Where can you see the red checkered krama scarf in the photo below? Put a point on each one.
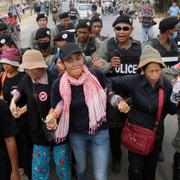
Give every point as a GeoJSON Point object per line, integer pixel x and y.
{"type": "Point", "coordinates": [95, 98]}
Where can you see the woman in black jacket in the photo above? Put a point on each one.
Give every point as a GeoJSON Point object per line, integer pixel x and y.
{"type": "Point", "coordinates": [144, 89]}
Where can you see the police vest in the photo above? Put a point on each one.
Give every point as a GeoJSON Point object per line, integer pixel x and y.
{"type": "Point", "coordinates": [90, 47]}
{"type": "Point", "coordinates": [171, 57]}
{"type": "Point", "coordinates": [129, 57]}
{"type": "Point", "coordinates": [72, 15]}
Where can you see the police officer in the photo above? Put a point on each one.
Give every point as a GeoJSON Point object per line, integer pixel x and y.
{"type": "Point", "coordinates": [165, 43]}
{"type": "Point", "coordinates": [43, 41]}
{"type": "Point", "coordinates": [59, 41]}
{"type": "Point", "coordinates": [65, 23]}
{"type": "Point", "coordinates": [42, 22]}
{"type": "Point", "coordinates": [87, 43]}
{"type": "Point", "coordinates": [96, 27]}
{"type": "Point", "coordinates": [4, 31]}
{"type": "Point", "coordinates": [122, 55]}
{"type": "Point", "coordinates": [73, 14]}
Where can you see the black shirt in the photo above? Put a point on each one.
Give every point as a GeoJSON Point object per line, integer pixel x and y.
{"type": "Point", "coordinates": [37, 111]}
{"type": "Point", "coordinates": [7, 128]}
{"type": "Point", "coordinates": [73, 14]}
{"type": "Point", "coordinates": [11, 84]}
{"type": "Point", "coordinates": [145, 100]}
{"type": "Point", "coordinates": [79, 119]}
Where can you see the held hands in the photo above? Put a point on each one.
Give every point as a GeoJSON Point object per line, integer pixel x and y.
{"type": "Point", "coordinates": [12, 106]}
{"type": "Point", "coordinates": [123, 106]}
{"type": "Point", "coordinates": [19, 111]}
{"type": "Point", "coordinates": [115, 62]}
{"type": "Point", "coordinates": [51, 122]}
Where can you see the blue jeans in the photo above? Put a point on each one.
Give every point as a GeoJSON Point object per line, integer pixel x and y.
{"type": "Point", "coordinates": [99, 143]}
{"type": "Point", "coordinates": [147, 34]}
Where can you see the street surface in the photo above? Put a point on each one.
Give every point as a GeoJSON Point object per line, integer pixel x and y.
{"type": "Point", "coordinates": [164, 170]}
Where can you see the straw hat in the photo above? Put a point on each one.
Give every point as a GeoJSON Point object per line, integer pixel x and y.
{"type": "Point", "coordinates": [150, 55]}
{"type": "Point", "coordinates": [33, 59]}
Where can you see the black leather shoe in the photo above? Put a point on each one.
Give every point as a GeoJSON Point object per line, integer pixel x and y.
{"type": "Point", "coordinates": [161, 156]}
{"type": "Point", "coordinates": [116, 167]}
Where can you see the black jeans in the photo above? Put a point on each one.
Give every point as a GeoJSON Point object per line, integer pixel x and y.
{"type": "Point", "coordinates": [144, 167]}
{"type": "Point", "coordinates": [176, 166]}
{"type": "Point", "coordinates": [115, 145]}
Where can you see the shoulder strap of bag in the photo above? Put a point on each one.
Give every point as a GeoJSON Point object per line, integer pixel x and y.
{"type": "Point", "coordinates": [160, 105]}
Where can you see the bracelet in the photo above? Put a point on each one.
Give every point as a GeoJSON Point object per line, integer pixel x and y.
{"type": "Point", "coordinates": [60, 105]}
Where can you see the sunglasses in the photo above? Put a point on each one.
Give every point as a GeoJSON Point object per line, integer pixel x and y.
{"type": "Point", "coordinates": [124, 28]}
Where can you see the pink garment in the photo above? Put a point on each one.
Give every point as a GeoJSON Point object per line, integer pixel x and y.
{"type": "Point", "coordinates": [95, 98]}
{"type": "Point", "coordinates": [11, 54]}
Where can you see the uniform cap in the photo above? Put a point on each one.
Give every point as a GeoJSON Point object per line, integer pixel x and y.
{"type": "Point", "coordinates": [42, 32]}
{"type": "Point", "coordinates": [4, 39]}
{"type": "Point", "coordinates": [65, 36]}
{"type": "Point", "coordinates": [168, 23]}
{"type": "Point", "coordinates": [123, 19]}
{"type": "Point", "coordinates": [83, 23]}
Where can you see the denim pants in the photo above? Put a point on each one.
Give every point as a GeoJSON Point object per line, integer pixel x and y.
{"type": "Point", "coordinates": [41, 161]}
{"type": "Point", "coordinates": [99, 147]}
{"type": "Point", "coordinates": [147, 34]}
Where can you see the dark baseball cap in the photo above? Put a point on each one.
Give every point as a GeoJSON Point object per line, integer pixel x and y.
{"type": "Point", "coordinates": [68, 49]}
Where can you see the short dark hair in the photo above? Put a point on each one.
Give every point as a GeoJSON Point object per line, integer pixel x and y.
{"type": "Point", "coordinates": [41, 16]}
{"type": "Point", "coordinates": [94, 7]}
{"type": "Point", "coordinates": [96, 19]}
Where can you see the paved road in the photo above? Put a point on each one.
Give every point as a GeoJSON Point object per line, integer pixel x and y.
{"type": "Point", "coordinates": [164, 170]}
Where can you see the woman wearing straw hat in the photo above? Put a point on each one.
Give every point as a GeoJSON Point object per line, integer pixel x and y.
{"type": "Point", "coordinates": [35, 86]}
{"type": "Point", "coordinates": [144, 89]}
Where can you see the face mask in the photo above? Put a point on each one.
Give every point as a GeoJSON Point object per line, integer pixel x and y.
{"type": "Point", "coordinates": [43, 45]}
{"type": "Point", "coordinates": [173, 36]}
